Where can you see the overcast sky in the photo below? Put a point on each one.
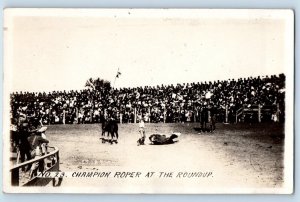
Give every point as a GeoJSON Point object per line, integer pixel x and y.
{"type": "Point", "coordinates": [60, 52]}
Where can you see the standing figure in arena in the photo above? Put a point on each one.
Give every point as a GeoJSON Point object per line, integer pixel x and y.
{"type": "Point", "coordinates": [204, 118]}
{"type": "Point", "coordinates": [212, 119]}
{"type": "Point", "coordinates": [114, 130]}
{"type": "Point", "coordinates": [141, 140]}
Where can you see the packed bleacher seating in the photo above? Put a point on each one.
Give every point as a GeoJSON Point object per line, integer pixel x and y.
{"type": "Point", "coordinates": [163, 103]}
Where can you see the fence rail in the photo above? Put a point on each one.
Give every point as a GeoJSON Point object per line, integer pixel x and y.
{"type": "Point", "coordinates": [259, 109]}
{"type": "Point", "coordinates": [36, 181]}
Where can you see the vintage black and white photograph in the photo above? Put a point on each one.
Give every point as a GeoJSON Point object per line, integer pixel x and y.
{"type": "Point", "coordinates": [185, 101]}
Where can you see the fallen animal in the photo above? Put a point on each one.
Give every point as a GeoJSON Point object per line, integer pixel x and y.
{"type": "Point", "coordinates": [158, 139]}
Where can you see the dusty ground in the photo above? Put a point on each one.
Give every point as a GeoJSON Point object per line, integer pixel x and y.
{"type": "Point", "coordinates": [239, 156]}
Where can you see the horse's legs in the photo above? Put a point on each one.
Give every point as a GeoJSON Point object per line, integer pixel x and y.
{"type": "Point", "coordinates": [117, 135]}
{"type": "Point", "coordinates": [112, 137]}
{"type": "Point", "coordinates": [103, 135]}
{"type": "Point", "coordinates": [103, 130]}
{"type": "Point", "coordinates": [202, 124]}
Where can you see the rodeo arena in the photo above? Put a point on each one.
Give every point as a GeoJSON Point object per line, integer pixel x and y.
{"type": "Point", "coordinates": [238, 123]}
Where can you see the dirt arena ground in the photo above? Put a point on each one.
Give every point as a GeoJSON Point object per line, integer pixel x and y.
{"type": "Point", "coordinates": [239, 156]}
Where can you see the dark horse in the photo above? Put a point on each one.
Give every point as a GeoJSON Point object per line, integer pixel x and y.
{"type": "Point", "coordinates": [111, 127]}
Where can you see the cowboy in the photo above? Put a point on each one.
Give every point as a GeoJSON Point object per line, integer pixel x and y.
{"type": "Point", "coordinates": [141, 140]}
{"type": "Point", "coordinates": [35, 141]}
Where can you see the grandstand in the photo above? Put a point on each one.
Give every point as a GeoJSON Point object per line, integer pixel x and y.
{"type": "Point", "coordinates": [252, 99]}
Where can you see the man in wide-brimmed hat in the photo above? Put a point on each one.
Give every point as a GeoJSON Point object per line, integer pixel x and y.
{"type": "Point", "coordinates": [36, 140]}
{"type": "Point", "coordinates": [141, 140]}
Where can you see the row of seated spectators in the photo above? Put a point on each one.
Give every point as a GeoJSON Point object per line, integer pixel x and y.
{"type": "Point", "coordinates": [168, 103]}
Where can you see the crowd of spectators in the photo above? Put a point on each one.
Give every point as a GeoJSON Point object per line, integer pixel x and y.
{"type": "Point", "coordinates": [162, 103]}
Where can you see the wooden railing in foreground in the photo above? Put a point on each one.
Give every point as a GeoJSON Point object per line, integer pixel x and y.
{"type": "Point", "coordinates": [36, 181]}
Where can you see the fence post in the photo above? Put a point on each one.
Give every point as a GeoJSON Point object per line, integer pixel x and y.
{"type": "Point", "coordinates": [49, 116]}
{"type": "Point", "coordinates": [91, 114]}
{"type": "Point", "coordinates": [226, 114]}
{"type": "Point", "coordinates": [76, 115]}
{"type": "Point", "coordinates": [236, 115]}
{"type": "Point", "coordinates": [259, 113]}
{"type": "Point", "coordinates": [278, 112]}
{"type": "Point", "coordinates": [134, 115]}
{"type": "Point", "coordinates": [199, 114]}
{"type": "Point", "coordinates": [15, 177]}
{"type": "Point", "coordinates": [64, 117]}
{"type": "Point", "coordinates": [149, 113]}
{"type": "Point", "coordinates": [121, 118]}
{"type": "Point", "coordinates": [179, 115]}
